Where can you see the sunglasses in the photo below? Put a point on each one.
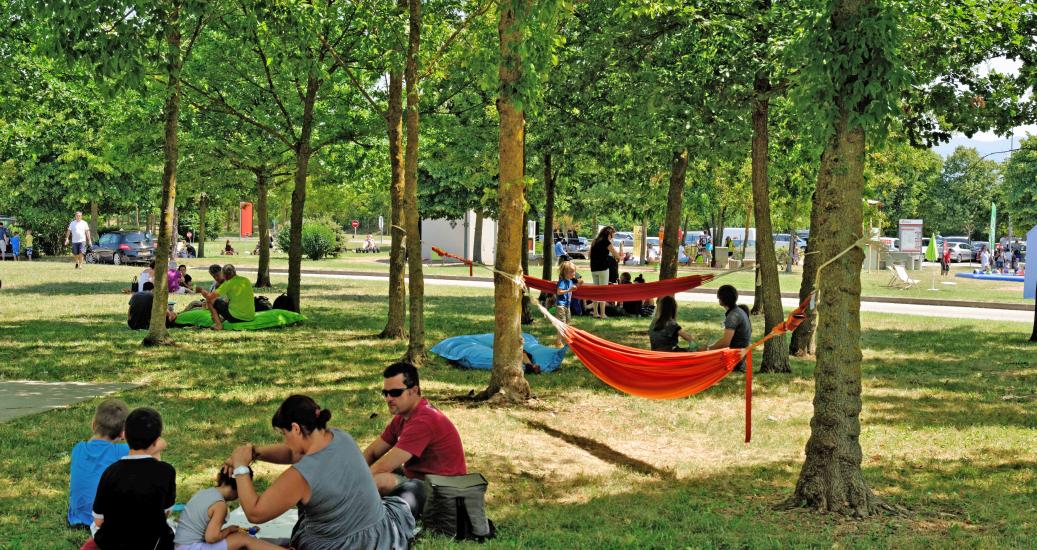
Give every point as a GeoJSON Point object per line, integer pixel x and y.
{"type": "Point", "coordinates": [395, 392]}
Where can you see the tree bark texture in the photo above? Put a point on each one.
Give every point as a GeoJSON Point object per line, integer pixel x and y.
{"type": "Point", "coordinates": [831, 478]}
{"type": "Point", "coordinates": [203, 207]}
{"type": "Point", "coordinates": [397, 255]}
{"type": "Point", "coordinates": [775, 352]}
{"type": "Point", "coordinates": [802, 342]}
{"type": "Point", "coordinates": [263, 271]}
{"type": "Point", "coordinates": [477, 237]}
{"type": "Point", "coordinates": [549, 219]}
{"type": "Point", "coordinates": [671, 225]}
{"type": "Point", "coordinates": [416, 337]}
{"type": "Point", "coordinates": [157, 333]}
{"type": "Point", "coordinates": [506, 378]}
{"type": "Point", "coordinates": [302, 170]}
{"type": "Point", "coordinates": [95, 221]}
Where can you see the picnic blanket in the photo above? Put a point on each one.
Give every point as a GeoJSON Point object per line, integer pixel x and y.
{"type": "Point", "coordinates": [264, 319]}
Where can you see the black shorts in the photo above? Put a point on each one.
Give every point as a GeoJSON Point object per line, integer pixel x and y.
{"type": "Point", "coordinates": [78, 248]}
{"type": "Point", "coordinates": [222, 308]}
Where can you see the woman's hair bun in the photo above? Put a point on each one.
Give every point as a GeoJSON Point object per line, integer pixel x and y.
{"type": "Point", "coordinates": [324, 417]}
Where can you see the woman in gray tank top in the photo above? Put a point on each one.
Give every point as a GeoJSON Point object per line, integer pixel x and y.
{"type": "Point", "coordinates": [329, 481]}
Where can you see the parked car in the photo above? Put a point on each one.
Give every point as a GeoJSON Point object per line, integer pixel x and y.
{"type": "Point", "coordinates": [123, 247]}
{"type": "Point", "coordinates": [960, 252]}
{"type": "Point", "coordinates": [782, 240]}
{"type": "Point", "coordinates": [625, 238]}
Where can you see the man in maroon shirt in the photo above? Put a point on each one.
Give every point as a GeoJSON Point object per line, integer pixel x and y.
{"type": "Point", "coordinates": [419, 439]}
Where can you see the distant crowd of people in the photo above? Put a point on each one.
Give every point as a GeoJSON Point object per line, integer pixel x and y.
{"type": "Point", "coordinates": [229, 298]}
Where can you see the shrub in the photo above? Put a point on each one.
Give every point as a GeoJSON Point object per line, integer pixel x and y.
{"type": "Point", "coordinates": [320, 238]}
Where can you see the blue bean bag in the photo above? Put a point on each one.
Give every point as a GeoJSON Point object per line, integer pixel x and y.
{"type": "Point", "coordinates": [475, 351]}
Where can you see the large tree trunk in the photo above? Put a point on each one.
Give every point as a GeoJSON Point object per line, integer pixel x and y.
{"type": "Point", "coordinates": [203, 206]}
{"type": "Point", "coordinates": [477, 237]}
{"type": "Point", "coordinates": [506, 378]}
{"type": "Point", "coordinates": [674, 200]}
{"type": "Point", "coordinates": [549, 219]}
{"type": "Point", "coordinates": [94, 221]}
{"type": "Point", "coordinates": [263, 272]}
{"type": "Point", "coordinates": [397, 255]}
{"type": "Point", "coordinates": [157, 333]}
{"type": "Point", "coordinates": [775, 354]}
{"type": "Point", "coordinates": [302, 170]}
{"type": "Point", "coordinates": [831, 478]}
{"type": "Point", "coordinates": [416, 338]}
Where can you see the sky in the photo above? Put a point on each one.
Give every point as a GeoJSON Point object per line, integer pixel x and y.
{"type": "Point", "coordinates": [987, 142]}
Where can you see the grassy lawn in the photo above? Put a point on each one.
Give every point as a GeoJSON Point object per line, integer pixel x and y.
{"type": "Point", "coordinates": [948, 430]}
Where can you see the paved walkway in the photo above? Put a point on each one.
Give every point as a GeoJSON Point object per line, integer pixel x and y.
{"type": "Point", "coordinates": [985, 311]}
{"type": "Point", "coordinates": [25, 397]}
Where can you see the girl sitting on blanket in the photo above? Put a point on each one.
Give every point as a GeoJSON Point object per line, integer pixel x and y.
{"type": "Point", "coordinates": [201, 524]}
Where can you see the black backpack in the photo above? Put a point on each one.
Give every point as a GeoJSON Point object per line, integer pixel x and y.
{"type": "Point", "coordinates": [456, 507]}
{"type": "Point", "coordinates": [284, 303]}
{"type": "Point", "coordinates": [263, 303]}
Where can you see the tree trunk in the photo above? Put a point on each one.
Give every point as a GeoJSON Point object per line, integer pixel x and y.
{"type": "Point", "coordinates": [802, 342]}
{"type": "Point", "coordinates": [203, 206]}
{"type": "Point", "coordinates": [831, 479]}
{"type": "Point", "coordinates": [527, 310]}
{"type": "Point", "coordinates": [136, 216]}
{"type": "Point", "coordinates": [671, 231]}
{"type": "Point", "coordinates": [643, 245]}
{"type": "Point", "coordinates": [157, 333]}
{"type": "Point", "coordinates": [549, 219]}
{"type": "Point", "coordinates": [477, 237]}
{"type": "Point", "coordinates": [263, 271]}
{"type": "Point", "coordinates": [416, 339]}
{"type": "Point", "coordinates": [506, 378]}
{"type": "Point", "coordinates": [94, 221]}
{"type": "Point", "coordinates": [775, 354]}
{"type": "Point", "coordinates": [302, 169]}
{"type": "Point", "coordinates": [397, 255]}
{"type": "Point", "coordinates": [748, 225]}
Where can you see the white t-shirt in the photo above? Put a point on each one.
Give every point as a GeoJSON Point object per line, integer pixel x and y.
{"type": "Point", "coordinates": [79, 229]}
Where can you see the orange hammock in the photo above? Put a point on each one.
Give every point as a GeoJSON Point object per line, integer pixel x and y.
{"type": "Point", "coordinates": [623, 293]}
{"type": "Point", "coordinates": [667, 375]}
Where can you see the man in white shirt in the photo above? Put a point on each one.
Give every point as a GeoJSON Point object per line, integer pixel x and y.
{"type": "Point", "coordinates": [79, 234]}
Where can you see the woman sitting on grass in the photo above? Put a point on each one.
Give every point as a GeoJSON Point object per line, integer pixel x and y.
{"type": "Point", "coordinates": [664, 330]}
{"type": "Point", "coordinates": [329, 481]}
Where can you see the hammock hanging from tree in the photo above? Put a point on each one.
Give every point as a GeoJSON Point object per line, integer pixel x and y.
{"type": "Point", "coordinates": [624, 293]}
{"type": "Point", "coordinates": [664, 374]}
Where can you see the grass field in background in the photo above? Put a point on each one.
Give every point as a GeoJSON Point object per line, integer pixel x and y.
{"type": "Point", "coordinates": [948, 430]}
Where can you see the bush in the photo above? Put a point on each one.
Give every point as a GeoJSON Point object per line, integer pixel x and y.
{"type": "Point", "coordinates": [320, 238]}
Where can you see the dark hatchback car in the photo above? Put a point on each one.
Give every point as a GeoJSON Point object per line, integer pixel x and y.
{"type": "Point", "coordinates": [123, 247]}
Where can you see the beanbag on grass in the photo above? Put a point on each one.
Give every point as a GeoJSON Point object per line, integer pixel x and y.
{"type": "Point", "coordinates": [264, 319]}
{"type": "Point", "coordinates": [475, 351]}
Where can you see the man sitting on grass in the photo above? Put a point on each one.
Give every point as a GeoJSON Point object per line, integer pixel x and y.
{"type": "Point", "coordinates": [139, 316]}
{"type": "Point", "coordinates": [233, 301]}
{"type": "Point", "coordinates": [419, 439]}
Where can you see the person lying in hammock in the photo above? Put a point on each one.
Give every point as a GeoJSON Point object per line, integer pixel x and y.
{"type": "Point", "coordinates": [738, 330]}
{"type": "Point", "coordinates": [664, 331]}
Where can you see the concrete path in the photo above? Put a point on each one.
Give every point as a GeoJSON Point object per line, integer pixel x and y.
{"type": "Point", "coordinates": [25, 397]}
{"type": "Point", "coordinates": [920, 310]}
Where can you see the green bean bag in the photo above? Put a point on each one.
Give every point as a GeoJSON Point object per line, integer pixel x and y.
{"type": "Point", "coordinates": [264, 319]}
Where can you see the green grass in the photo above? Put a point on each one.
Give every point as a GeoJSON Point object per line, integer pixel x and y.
{"type": "Point", "coordinates": [948, 430]}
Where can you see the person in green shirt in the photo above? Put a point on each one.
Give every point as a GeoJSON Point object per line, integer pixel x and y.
{"type": "Point", "coordinates": [233, 301]}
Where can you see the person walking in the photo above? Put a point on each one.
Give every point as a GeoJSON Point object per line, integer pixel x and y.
{"type": "Point", "coordinates": [78, 233]}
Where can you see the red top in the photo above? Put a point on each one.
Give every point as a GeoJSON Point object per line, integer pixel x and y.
{"type": "Point", "coordinates": [431, 438]}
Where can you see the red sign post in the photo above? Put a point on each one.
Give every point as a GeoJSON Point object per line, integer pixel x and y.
{"type": "Point", "coordinates": [355, 225]}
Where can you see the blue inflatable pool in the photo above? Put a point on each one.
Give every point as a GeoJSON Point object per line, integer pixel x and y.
{"type": "Point", "coordinates": [992, 277]}
{"type": "Point", "coordinates": [475, 351]}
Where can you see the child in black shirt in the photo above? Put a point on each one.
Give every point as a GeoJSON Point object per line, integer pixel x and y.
{"type": "Point", "coordinates": [136, 492]}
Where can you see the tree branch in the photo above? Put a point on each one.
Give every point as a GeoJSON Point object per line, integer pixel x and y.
{"type": "Point", "coordinates": [229, 110]}
{"type": "Point", "coordinates": [453, 36]}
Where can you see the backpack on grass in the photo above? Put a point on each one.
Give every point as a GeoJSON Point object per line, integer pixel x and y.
{"type": "Point", "coordinates": [262, 303]}
{"type": "Point", "coordinates": [456, 507]}
{"type": "Point", "coordinates": [283, 302]}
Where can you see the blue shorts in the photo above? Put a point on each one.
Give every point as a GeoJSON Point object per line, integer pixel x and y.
{"type": "Point", "coordinates": [78, 248]}
{"type": "Point", "coordinates": [28, 251]}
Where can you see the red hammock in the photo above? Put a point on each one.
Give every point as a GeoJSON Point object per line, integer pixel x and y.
{"type": "Point", "coordinates": [667, 375]}
{"type": "Point", "coordinates": [623, 293]}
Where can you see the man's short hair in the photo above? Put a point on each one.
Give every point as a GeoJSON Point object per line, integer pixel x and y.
{"type": "Point", "coordinates": [143, 428]}
{"type": "Point", "coordinates": [78, 213]}
{"type": "Point", "coordinates": [215, 269]}
{"type": "Point", "coordinates": [182, 266]}
{"type": "Point", "coordinates": [110, 418]}
{"type": "Point", "coordinates": [229, 272]}
{"type": "Point", "coordinates": [148, 286]}
{"type": "Point", "coordinates": [409, 372]}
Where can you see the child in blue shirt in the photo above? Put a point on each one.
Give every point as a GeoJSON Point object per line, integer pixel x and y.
{"type": "Point", "coordinates": [91, 458]}
{"type": "Point", "coordinates": [16, 245]}
{"type": "Point", "coordinates": [563, 296]}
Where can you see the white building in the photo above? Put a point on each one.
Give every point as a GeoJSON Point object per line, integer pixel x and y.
{"type": "Point", "coordinates": [458, 237]}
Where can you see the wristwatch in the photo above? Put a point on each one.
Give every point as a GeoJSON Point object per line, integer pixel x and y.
{"type": "Point", "coordinates": [240, 470]}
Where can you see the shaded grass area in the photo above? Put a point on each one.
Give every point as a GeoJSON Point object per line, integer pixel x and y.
{"type": "Point", "coordinates": [947, 425]}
